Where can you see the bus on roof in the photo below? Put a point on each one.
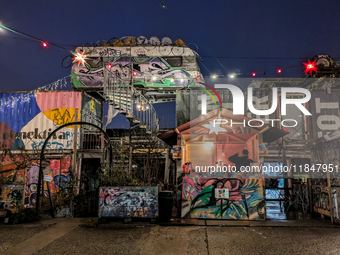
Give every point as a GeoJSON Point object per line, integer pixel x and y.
{"type": "Point", "coordinates": [144, 66]}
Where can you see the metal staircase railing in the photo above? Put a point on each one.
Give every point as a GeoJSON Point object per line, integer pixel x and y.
{"type": "Point", "coordinates": [120, 93]}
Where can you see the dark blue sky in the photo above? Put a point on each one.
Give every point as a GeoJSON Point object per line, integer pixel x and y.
{"type": "Point", "coordinates": [296, 30]}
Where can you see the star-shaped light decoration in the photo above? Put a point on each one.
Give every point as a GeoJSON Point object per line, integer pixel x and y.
{"type": "Point", "coordinates": [79, 57]}
{"type": "Point", "coordinates": [310, 67]}
{"type": "Point", "coordinates": [214, 129]}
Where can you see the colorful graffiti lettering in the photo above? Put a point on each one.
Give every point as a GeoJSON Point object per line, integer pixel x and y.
{"type": "Point", "coordinates": [245, 200]}
{"type": "Point", "coordinates": [123, 202]}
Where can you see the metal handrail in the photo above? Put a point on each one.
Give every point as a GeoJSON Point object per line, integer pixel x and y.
{"type": "Point", "coordinates": [119, 93]}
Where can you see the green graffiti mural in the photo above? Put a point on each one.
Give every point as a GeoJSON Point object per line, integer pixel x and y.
{"type": "Point", "coordinates": [144, 71]}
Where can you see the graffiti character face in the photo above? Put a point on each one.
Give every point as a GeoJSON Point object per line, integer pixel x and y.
{"type": "Point", "coordinates": [187, 189]}
{"type": "Point", "coordinates": [33, 188]}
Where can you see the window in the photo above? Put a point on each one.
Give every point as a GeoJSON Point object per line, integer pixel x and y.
{"type": "Point", "coordinates": [174, 61]}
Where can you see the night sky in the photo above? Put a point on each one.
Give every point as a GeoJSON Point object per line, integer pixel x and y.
{"type": "Point", "coordinates": [232, 36]}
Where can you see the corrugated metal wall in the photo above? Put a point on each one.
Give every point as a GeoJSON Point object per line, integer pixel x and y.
{"type": "Point", "coordinates": [26, 118]}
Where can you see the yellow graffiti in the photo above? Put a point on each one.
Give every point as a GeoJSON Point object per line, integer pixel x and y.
{"type": "Point", "coordinates": [61, 116]}
{"type": "Point", "coordinates": [92, 106]}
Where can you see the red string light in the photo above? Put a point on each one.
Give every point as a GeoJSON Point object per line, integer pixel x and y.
{"type": "Point", "coordinates": [310, 67]}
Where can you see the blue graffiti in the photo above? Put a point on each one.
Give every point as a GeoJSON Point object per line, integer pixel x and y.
{"type": "Point", "coordinates": [59, 146]}
{"type": "Point", "coordinates": [62, 181]}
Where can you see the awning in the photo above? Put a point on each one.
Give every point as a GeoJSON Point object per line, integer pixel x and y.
{"type": "Point", "coordinates": [272, 134]}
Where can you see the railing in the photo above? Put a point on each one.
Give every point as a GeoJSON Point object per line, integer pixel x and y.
{"type": "Point", "coordinates": [129, 101]}
{"type": "Point", "coordinates": [92, 140]}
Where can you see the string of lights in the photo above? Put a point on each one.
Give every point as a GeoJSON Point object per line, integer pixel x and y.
{"type": "Point", "coordinates": [45, 44]}
{"type": "Point", "coordinates": [59, 84]}
{"type": "Point", "coordinates": [238, 57]}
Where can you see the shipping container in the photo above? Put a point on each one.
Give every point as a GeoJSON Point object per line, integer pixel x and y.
{"type": "Point", "coordinates": [27, 118]}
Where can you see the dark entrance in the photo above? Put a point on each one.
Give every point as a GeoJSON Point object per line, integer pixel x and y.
{"type": "Point", "coordinates": [87, 200]}
{"type": "Point", "coordinates": [287, 197]}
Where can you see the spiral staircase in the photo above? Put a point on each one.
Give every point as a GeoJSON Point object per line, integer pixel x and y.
{"type": "Point", "coordinates": [123, 96]}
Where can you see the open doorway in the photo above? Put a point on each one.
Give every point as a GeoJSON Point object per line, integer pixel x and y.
{"type": "Point", "coordinates": [287, 197]}
{"type": "Point", "coordinates": [274, 192]}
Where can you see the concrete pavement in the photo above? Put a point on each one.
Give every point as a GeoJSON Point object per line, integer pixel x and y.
{"type": "Point", "coordinates": [69, 236]}
{"type": "Point", "coordinates": [54, 229]}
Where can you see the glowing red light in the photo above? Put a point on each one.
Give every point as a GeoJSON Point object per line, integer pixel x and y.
{"type": "Point", "coordinates": [279, 70]}
{"type": "Point", "coordinates": [109, 66]}
{"type": "Point", "coordinates": [253, 74]}
{"type": "Point", "coordinates": [44, 44]}
{"type": "Point", "coordinates": [134, 73]}
{"type": "Point", "coordinates": [310, 67]}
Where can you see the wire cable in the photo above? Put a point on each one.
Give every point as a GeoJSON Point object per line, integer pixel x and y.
{"type": "Point", "coordinates": [31, 37]}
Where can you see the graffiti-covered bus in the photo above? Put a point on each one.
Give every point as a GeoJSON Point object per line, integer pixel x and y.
{"type": "Point", "coordinates": [145, 66]}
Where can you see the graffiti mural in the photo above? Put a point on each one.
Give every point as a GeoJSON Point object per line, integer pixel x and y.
{"type": "Point", "coordinates": [149, 72]}
{"type": "Point", "coordinates": [31, 186]}
{"type": "Point", "coordinates": [91, 112]}
{"type": "Point", "coordinates": [28, 118]}
{"type": "Point", "coordinates": [245, 202]}
{"type": "Point", "coordinates": [141, 202]}
{"type": "Point", "coordinates": [321, 200]}
{"type": "Point", "coordinates": [28, 177]}
{"type": "Point", "coordinates": [12, 197]}
{"type": "Point", "coordinates": [59, 173]}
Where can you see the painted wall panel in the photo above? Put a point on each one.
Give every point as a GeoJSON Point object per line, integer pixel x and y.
{"type": "Point", "coordinates": [59, 172]}
{"type": "Point", "coordinates": [26, 119]}
{"type": "Point", "coordinates": [141, 202]}
{"type": "Point", "coordinates": [246, 201]}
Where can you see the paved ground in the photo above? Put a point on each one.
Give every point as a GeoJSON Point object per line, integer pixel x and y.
{"type": "Point", "coordinates": [12, 235]}
{"type": "Point", "coordinates": [71, 238]}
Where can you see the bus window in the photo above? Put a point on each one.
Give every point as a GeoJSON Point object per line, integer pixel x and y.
{"type": "Point", "coordinates": [173, 61]}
